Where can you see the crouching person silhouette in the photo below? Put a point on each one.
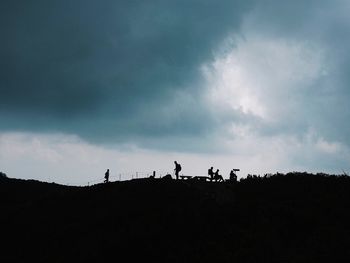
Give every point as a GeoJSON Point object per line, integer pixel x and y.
{"type": "Point", "coordinates": [233, 176]}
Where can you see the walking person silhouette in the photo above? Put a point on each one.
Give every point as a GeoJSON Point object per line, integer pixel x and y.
{"type": "Point", "coordinates": [177, 169]}
{"type": "Point", "coordinates": [107, 176]}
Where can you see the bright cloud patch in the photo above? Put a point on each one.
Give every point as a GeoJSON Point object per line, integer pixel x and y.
{"type": "Point", "coordinates": [264, 76]}
{"type": "Point", "coordinates": [268, 81]}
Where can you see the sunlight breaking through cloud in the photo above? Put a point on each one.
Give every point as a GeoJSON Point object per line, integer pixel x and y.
{"type": "Point", "coordinates": [263, 76]}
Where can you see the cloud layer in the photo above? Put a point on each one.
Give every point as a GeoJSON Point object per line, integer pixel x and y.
{"type": "Point", "coordinates": [109, 70]}
{"type": "Point", "coordinates": [192, 76]}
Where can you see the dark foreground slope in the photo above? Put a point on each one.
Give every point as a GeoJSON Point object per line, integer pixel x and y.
{"type": "Point", "coordinates": [283, 218]}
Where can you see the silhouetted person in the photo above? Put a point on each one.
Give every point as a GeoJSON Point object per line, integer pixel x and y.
{"type": "Point", "coordinates": [218, 177]}
{"type": "Point", "coordinates": [177, 169]}
{"type": "Point", "coordinates": [107, 176]}
{"type": "Point", "coordinates": [211, 173]}
{"type": "Point", "coordinates": [233, 176]}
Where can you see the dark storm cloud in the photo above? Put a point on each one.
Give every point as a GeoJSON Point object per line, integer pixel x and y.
{"type": "Point", "coordinates": [109, 69]}
{"type": "Point", "coordinates": [128, 71]}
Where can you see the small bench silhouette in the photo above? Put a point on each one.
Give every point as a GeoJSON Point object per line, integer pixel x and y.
{"type": "Point", "coordinates": [201, 178]}
{"type": "Point", "coordinates": [185, 177]}
{"type": "Point", "coordinates": [196, 178]}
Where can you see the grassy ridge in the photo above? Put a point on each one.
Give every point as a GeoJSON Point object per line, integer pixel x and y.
{"type": "Point", "coordinates": [297, 217]}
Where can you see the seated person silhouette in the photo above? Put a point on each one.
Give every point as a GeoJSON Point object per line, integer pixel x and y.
{"type": "Point", "coordinates": [218, 177]}
{"type": "Point", "coordinates": [211, 173]}
{"type": "Point", "coordinates": [106, 176]}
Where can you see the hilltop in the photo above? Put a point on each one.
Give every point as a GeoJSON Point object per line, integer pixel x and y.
{"type": "Point", "coordinates": [294, 217]}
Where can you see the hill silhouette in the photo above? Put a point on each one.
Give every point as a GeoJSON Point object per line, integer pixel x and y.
{"type": "Point", "coordinates": [294, 217]}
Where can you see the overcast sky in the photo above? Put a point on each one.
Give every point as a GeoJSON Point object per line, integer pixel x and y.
{"type": "Point", "coordinates": [85, 85]}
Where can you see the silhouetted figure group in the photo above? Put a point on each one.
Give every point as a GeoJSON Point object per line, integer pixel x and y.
{"type": "Point", "coordinates": [215, 176]}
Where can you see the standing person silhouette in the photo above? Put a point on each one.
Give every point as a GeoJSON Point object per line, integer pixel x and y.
{"type": "Point", "coordinates": [177, 169]}
{"type": "Point", "coordinates": [211, 173]}
{"type": "Point", "coordinates": [107, 176]}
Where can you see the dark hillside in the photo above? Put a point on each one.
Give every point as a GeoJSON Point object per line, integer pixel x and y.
{"type": "Point", "coordinates": [296, 217]}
